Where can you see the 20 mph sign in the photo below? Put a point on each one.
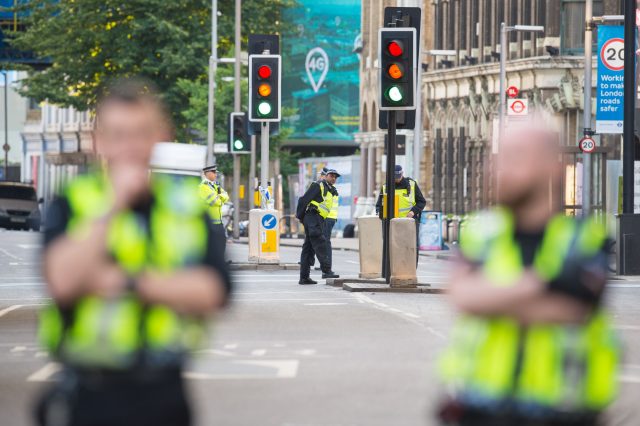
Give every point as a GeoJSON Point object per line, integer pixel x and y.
{"type": "Point", "coordinates": [518, 107]}
{"type": "Point", "coordinates": [587, 145]}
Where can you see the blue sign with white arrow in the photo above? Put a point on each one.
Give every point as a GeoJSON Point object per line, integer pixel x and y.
{"type": "Point", "coordinates": [269, 221]}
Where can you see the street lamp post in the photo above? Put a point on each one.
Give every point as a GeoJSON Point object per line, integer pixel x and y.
{"type": "Point", "coordinates": [504, 52]}
{"type": "Point", "coordinates": [213, 64]}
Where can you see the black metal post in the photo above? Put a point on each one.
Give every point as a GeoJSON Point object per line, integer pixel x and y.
{"type": "Point", "coordinates": [390, 184]}
{"type": "Point", "coordinates": [628, 155]}
{"type": "Point", "coordinates": [6, 146]}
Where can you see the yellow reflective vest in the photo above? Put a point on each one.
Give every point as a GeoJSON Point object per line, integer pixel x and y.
{"type": "Point", "coordinates": [405, 199]}
{"type": "Point", "coordinates": [335, 203]}
{"type": "Point", "coordinates": [553, 366]}
{"type": "Point", "coordinates": [214, 197]}
{"type": "Point", "coordinates": [324, 207]}
{"type": "Point", "coordinates": [100, 333]}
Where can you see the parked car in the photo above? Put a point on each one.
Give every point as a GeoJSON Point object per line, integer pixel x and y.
{"type": "Point", "coordinates": [19, 206]}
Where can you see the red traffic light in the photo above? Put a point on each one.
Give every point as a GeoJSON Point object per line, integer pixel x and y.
{"type": "Point", "coordinates": [264, 71]}
{"type": "Point", "coordinates": [395, 48]}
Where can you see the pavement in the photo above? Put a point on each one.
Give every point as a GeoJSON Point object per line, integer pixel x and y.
{"type": "Point", "coordinates": [290, 355]}
{"type": "Point", "coordinates": [353, 244]}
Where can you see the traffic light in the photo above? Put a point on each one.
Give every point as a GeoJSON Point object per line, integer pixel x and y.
{"type": "Point", "coordinates": [397, 59]}
{"type": "Point", "coordinates": [264, 87]}
{"type": "Point", "coordinates": [239, 139]}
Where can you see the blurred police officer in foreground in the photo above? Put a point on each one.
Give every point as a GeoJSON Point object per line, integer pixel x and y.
{"type": "Point", "coordinates": [312, 210]}
{"type": "Point", "coordinates": [409, 200]}
{"type": "Point", "coordinates": [534, 345]}
{"type": "Point", "coordinates": [133, 268]}
{"type": "Point", "coordinates": [214, 196]}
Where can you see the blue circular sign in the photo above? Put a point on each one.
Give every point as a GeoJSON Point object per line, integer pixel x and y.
{"type": "Point", "coordinates": [269, 221]}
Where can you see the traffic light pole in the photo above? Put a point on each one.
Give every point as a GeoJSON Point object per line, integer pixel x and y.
{"type": "Point", "coordinates": [390, 186]}
{"type": "Point", "coordinates": [236, 107]}
{"type": "Point", "coordinates": [252, 173]}
{"type": "Point", "coordinates": [264, 154]}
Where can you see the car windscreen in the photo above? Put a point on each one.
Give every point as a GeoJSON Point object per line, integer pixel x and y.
{"type": "Point", "coordinates": [17, 192]}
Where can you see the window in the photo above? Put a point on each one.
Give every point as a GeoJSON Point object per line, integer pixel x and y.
{"type": "Point", "coordinates": [475, 14]}
{"type": "Point", "coordinates": [572, 26]}
{"type": "Point", "coordinates": [463, 25]}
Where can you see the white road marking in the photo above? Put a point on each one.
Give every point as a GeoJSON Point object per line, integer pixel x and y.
{"type": "Point", "coordinates": [19, 349]}
{"type": "Point", "coordinates": [6, 253]}
{"type": "Point", "coordinates": [285, 369]}
{"type": "Point", "coordinates": [625, 378]}
{"type": "Point", "coordinates": [636, 286]}
{"type": "Point", "coordinates": [288, 300]}
{"type": "Point", "coordinates": [45, 373]}
{"type": "Point", "coordinates": [306, 352]}
{"type": "Point", "coordinates": [21, 284]}
{"type": "Point", "coordinates": [27, 298]}
{"type": "Point", "coordinates": [214, 352]}
{"type": "Point", "coordinates": [325, 304]}
{"type": "Point", "coordinates": [231, 346]}
{"type": "Point", "coordinates": [9, 309]}
{"type": "Point", "coordinates": [258, 352]}
{"type": "Point", "coordinates": [627, 327]}
{"type": "Point", "coordinates": [405, 315]}
{"type": "Point", "coordinates": [29, 246]}
{"type": "Point", "coordinates": [352, 261]}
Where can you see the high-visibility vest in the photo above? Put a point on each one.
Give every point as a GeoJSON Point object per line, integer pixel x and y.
{"type": "Point", "coordinates": [214, 197]}
{"type": "Point", "coordinates": [567, 367]}
{"type": "Point", "coordinates": [324, 207]}
{"type": "Point", "coordinates": [405, 199]}
{"type": "Point", "coordinates": [100, 333]}
{"type": "Point", "coordinates": [335, 203]}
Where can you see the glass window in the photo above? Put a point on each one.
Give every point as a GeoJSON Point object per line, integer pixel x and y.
{"type": "Point", "coordinates": [463, 24]}
{"type": "Point", "coordinates": [17, 192]}
{"type": "Point", "coordinates": [573, 18]}
{"type": "Point", "coordinates": [475, 4]}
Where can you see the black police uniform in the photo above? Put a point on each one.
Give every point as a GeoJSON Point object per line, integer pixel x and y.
{"type": "Point", "coordinates": [405, 183]}
{"type": "Point", "coordinates": [315, 243]}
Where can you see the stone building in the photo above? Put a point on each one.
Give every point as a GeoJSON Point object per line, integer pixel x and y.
{"type": "Point", "coordinates": [460, 93]}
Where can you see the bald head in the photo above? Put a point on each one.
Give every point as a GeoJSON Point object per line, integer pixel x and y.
{"type": "Point", "coordinates": [527, 163]}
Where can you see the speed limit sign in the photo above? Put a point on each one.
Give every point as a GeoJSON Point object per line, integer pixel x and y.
{"type": "Point", "coordinates": [587, 145]}
{"type": "Point", "coordinates": [612, 54]}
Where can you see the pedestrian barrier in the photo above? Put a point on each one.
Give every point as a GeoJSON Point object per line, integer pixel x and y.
{"type": "Point", "coordinates": [370, 242]}
{"type": "Point", "coordinates": [403, 253]}
{"type": "Point", "coordinates": [264, 236]}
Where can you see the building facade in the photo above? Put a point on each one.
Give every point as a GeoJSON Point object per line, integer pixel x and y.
{"type": "Point", "coordinates": [57, 144]}
{"type": "Point", "coordinates": [460, 93]}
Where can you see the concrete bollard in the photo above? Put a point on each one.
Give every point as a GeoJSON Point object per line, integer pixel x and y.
{"type": "Point", "coordinates": [402, 250]}
{"type": "Point", "coordinates": [264, 236]}
{"type": "Point", "coordinates": [370, 242]}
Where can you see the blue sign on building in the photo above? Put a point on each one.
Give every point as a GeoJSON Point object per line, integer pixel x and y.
{"type": "Point", "coordinates": [610, 82]}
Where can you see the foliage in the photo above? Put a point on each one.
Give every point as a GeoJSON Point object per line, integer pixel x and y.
{"type": "Point", "coordinates": [92, 41]}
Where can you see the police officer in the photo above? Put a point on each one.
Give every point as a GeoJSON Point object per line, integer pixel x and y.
{"type": "Point", "coordinates": [330, 178]}
{"type": "Point", "coordinates": [133, 269]}
{"type": "Point", "coordinates": [214, 196]}
{"type": "Point", "coordinates": [410, 200]}
{"type": "Point", "coordinates": [312, 210]}
{"type": "Point", "coordinates": [534, 345]}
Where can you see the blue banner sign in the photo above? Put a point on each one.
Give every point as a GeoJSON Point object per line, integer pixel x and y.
{"type": "Point", "coordinates": [610, 82]}
{"type": "Point", "coordinates": [431, 231]}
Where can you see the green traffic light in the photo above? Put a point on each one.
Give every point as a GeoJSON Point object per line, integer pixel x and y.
{"type": "Point", "coordinates": [394, 94]}
{"type": "Point", "coordinates": [238, 144]}
{"type": "Point", "coordinates": [264, 108]}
